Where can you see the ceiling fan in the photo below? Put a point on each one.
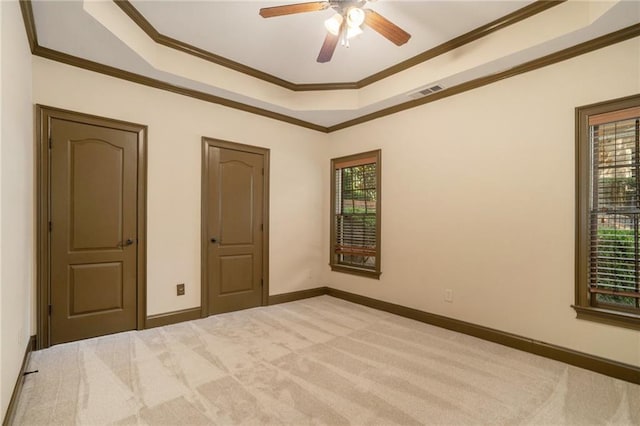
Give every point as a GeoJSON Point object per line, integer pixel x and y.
{"type": "Point", "coordinates": [346, 23]}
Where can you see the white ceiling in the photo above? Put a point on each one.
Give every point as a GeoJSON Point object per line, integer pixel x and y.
{"type": "Point", "coordinates": [287, 46]}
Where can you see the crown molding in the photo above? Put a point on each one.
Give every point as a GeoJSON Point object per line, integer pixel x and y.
{"type": "Point", "coordinates": [473, 35]}
{"type": "Point", "coordinates": [562, 55]}
{"type": "Point", "coordinates": [44, 52]}
{"type": "Point", "coordinates": [173, 43]}
{"type": "Point", "coordinates": [75, 61]}
{"type": "Point", "coordinates": [29, 24]}
{"type": "Point", "coordinates": [571, 52]}
{"type": "Point", "coordinates": [503, 22]}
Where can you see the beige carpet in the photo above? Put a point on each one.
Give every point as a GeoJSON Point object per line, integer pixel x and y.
{"type": "Point", "coordinates": [316, 361]}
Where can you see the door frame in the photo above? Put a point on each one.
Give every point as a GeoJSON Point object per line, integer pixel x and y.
{"type": "Point", "coordinates": [44, 115]}
{"type": "Point", "coordinates": [208, 143]}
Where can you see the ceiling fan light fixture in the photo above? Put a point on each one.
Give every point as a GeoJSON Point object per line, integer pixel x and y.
{"type": "Point", "coordinates": [333, 24]}
{"type": "Point", "coordinates": [355, 17]}
{"type": "Point", "coordinates": [352, 32]}
{"type": "Point", "coordinates": [345, 24]}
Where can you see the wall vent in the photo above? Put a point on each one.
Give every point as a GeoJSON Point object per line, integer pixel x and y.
{"type": "Point", "coordinates": [426, 91]}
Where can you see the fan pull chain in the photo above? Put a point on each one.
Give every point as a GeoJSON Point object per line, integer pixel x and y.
{"type": "Point", "coordinates": [344, 40]}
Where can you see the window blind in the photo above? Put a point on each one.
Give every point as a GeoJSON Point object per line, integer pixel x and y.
{"type": "Point", "coordinates": [614, 269]}
{"type": "Point", "coordinates": [355, 216]}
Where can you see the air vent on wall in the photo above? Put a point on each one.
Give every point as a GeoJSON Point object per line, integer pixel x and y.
{"type": "Point", "coordinates": [426, 91]}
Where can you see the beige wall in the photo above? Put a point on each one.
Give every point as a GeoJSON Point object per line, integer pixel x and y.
{"type": "Point", "coordinates": [2, 404]}
{"type": "Point", "coordinates": [478, 197]}
{"type": "Point", "coordinates": [17, 198]}
{"type": "Point", "coordinates": [3, 408]}
{"type": "Point", "coordinates": [176, 125]}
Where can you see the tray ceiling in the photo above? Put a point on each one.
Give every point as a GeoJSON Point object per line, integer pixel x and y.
{"type": "Point", "coordinates": [284, 48]}
{"type": "Point", "coordinates": [287, 46]}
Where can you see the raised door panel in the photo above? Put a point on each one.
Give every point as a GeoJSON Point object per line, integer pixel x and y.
{"type": "Point", "coordinates": [236, 273]}
{"type": "Point", "coordinates": [95, 288]}
{"type": "Point", "coordinates": [96, 182]}
{"type": "Point", "coordinates": [236, 202]}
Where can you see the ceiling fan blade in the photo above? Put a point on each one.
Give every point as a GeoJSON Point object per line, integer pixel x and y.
{"type": "Point", "coordinates": [290, 9]}
{"type": "Point", "coordinates": [328, 47]}
{"type": "Point", "coordinates": [386, 28]}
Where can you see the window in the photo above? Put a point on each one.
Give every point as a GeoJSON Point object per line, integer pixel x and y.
{"type": "Point", "coordinates": [355, 214]}
{"type": "Point", "coordinates": [608, 212]}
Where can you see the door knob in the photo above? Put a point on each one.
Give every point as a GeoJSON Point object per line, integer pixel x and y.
{"type": "Point", "coordinates": [128, 242]}
{"type": "Point", "coordinates": [213, 240]}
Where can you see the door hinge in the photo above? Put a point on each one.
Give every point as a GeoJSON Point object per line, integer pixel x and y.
{"type": "Point", "coordinates": [50, 226]}
{"type": "Point", "coordinates": [50, 143]}
{"type": "Point", "coordinates": [262, 226]}
{"type": "Point", "coordinates": [262, 172]}
{"type": "Point", "coordinates": [49, 310]}
{"type": "Point", "coordinates": [261, 282]}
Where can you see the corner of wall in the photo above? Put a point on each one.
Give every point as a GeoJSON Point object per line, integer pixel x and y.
{"type": "Point", "coordinates": [16, 197]}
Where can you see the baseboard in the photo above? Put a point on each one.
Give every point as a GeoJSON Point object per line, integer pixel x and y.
{"type": "Point", "coordinates": [13, 402]}
{"type": "Point", "coordinates": [627, 372]}
{"type": "Point", "coordinates": [297, 295]}
{"type": "Point", "coordinates": [174, 317]}
{"type": "Point", "coordinates": [195, 313]}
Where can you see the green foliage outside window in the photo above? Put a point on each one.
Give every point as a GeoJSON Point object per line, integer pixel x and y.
{"type": "Point", "coordinates": [619, 257]}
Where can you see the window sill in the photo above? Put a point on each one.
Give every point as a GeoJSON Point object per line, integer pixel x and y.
{"type": "Point", "coordinates": [608, 316]}
{"type": "Point", "coordinates": [356, 271]}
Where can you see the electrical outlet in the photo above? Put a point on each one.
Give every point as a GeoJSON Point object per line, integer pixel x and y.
{"type": "Point", "coordinates": [448, 295]}
{"type": "Point", "coordinates": [180, 289]}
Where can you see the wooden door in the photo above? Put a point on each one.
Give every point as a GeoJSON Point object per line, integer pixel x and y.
{"type": "Point", "coordinates": [233, 228]}
{"type": "Point", "coordinates": [93, 230]}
